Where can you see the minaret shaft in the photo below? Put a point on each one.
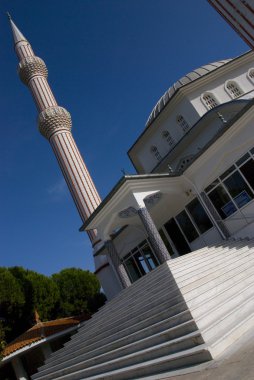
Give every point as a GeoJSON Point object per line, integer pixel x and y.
{"type": "Point", "coordinates": [55, 124]}
{"type": "Point", "coordinates": [42, 93]}
{"type": "Point", "coordinates": [75, 173]}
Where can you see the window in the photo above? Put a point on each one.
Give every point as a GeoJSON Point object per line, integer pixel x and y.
{"type": "Point", "coordinates": [233, 89]}
{"type": "Point", "coordinates": [168, 138]}
{"type": "Point", "coordinates": [187, 226]}
{"type": "Point", "coordinates": [250, 74]}
{"type": "Point", "coordinates": [140, 261]}
{"type": "Point", "coordinates": [234, 188]}
{"type": "Point", "coordinates": [199, 216]}
{"type": "Point", "coordinates": [182, 122]}
{"type": "Point", "coordinates": [156, 153]}
{"type": "Point", "coordinates": [222, 202]}
{"type": "Point", "coordinates": [209, 100]}
{"type": "Point", "coordinates": [238, 189]}
{"type": "Point", "coordinates": [247, 170]}
{"type": "Point", "coordinates": [166, 242]}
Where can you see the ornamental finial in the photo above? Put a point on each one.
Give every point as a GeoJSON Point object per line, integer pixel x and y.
{"type": "Point", "coordinates": [17, 35]}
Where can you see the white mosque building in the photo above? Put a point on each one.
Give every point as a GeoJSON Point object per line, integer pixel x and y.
{"type": "Point", "coordinates": [174, 244]}
{"type": "Point", "coordinates": [195, 173]}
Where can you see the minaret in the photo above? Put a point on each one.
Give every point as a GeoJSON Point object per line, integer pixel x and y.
{"type": "Point", "coordinates": [55, 125]}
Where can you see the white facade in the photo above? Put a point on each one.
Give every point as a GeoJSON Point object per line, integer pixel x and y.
{"type": "Point", "coordinates": [192, 137]}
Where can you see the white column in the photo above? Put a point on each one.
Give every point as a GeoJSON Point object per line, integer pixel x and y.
{"type": "Point", "coordinates": [46, 350]}
{"type": "Point", "coordinates": [19, 369]}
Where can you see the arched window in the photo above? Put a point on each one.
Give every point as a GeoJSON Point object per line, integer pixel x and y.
{"type": "Point", "coordinates": [156, 153]}
{"type": "Point", "coordinates": [233, 89]}
{"type": "Point", "coordinates": [182, 122]}
{"type": "Point", "coordinates": [209, 100]}
{"type": "Point", "coordinates": [168, 138]}
{"type": "Point", "coordinates": [250, 74]}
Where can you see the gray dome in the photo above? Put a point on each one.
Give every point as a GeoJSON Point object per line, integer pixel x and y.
{"type": "Point", "coordinates": [193, 75]}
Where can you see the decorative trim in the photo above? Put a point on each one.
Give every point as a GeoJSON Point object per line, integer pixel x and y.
{"type": "Point", "coordinates": [31, 66]}
{"type": "Point", "coordinates": [127, 213]}
{"type": "Point", "coordinates": [54, 119]}
{"type": "Point", "coordinates": [153, 199]}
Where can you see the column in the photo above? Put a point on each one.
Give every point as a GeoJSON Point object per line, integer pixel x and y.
{"type": "Point", "coordinates": [116, 262]}
{"type": "Point", "coordinates": [19, 369]}
{"type": "Point", "coordinates": [153, 235]}
{"type": "Point", "coordinates": [46, 350]}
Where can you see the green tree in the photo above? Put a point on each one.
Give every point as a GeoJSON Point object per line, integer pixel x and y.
{"type": "Point", "coordinates": [12, 301]}
{"type": "Point", "coordinates": [77, 289]}
{"type": "Point", "coordinates": [41, 293]}
{"type": "Point", "coordinates": [2, 339]}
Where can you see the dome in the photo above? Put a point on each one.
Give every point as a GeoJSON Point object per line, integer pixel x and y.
{"type": "Point", "coordinates": [192, 76]}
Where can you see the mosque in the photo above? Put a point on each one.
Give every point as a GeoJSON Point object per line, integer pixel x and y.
{"type": "Point", "coordinates": [173, 245]}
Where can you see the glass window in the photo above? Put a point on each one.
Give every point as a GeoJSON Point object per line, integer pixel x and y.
{"type": "Point", "coordinates": [168, 138]}
{"type": "Point", "coordinates": [132, 269]}
{"type": "Point", "coordinates": [212, 185]}
{"type": "Point", "coordinates": [149, 258]}
{"type": "Point", "coordinates": [233, 89]}
{"type": "Point", "coordinates": [248, 172]}
{"type": "Point", "coordinates": [227, 172]}
{"type": "Point", "coordinates": [243, 159]}
{"type": "Point", "coordinates": [182, 122]}
{"type": "Point", "coordinates": [187, 226]}
{"type": "Point", "coordinates": [209, 100]}
{"type": "Point", "coordinates": [166, 242]}
{"type": "Point", "coordinates": [140, 261]}
{"type": "Point", "coordinates": [156, 153]}
{"type": "Point", "coordinates": [238, 189]}
{"type": "Point", "coordinates": [251, 73]}
{"type": "Point", "coordinates": [222, 202]}
{"type": "Point", "coordinates": [199, 216]}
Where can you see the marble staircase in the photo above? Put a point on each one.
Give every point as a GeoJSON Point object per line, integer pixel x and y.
{"type": "Point", "coordinates": [182, 314]}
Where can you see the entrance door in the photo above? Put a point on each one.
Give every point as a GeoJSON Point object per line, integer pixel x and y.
{"type": "Point", "coordinates": [177, 237]}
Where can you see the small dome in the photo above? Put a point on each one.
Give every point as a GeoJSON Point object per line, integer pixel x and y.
{"type": "Point", "coordinates": [192, 76]}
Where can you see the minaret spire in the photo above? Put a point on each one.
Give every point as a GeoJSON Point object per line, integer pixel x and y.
{"type": "Point", "coordinates": [55, 125]}
{"type": "Point", "coordinates": [17, 35]}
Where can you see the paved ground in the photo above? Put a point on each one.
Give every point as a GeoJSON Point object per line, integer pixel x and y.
{"type": "Point", "coordinates": [237, 364]}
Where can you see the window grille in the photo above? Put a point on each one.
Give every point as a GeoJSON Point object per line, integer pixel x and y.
{"type": "Point", "coordinates": [182, 122]}
{"type": "Point", "coordinates": [233, 89]}
{"type": "Point", "coordinates": [168, 138]}
{"type": "Point", "coordinates": [209, 100]}
{"type": "Point", "coordinates": [156, 153]}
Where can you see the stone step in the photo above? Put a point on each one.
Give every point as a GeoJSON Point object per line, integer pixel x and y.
{"type": "Point", "coordinates": [210, 259]}
{"type": "Point", "coordinates": [232, 335]}
{"type": "Point", "coordinates": [213, 309]}
{"type": "Point", "coordinates": [195, 256]}
{"type": "Point", "coordinates": [194, 285]}
{"type": "Point", "coordinates": [223, 259]}
{"type": "Point", "coordinates": [177, 325]}
{"type": "Point", "coordinates": [143, 285]}
{"type": "Point", "coordinates": [206, 258]}
{"type": "Point", "coordinates": [210, 272]}
{"type": "Point", "coordinates": [176, 339]}
{"type": "Point", "coordinates": [229, 320]}
{"type": "Point", "coordinates": [122, 313]}
{"type": "Point", "coordinates": [121, 328]}
{"type": "Point", "coordinates": [190, 357]}
{"type": "Point", "coordinates": [128, 367]}
{"type": "Point", "coordinates": [194, 295]}
{"type": "Point", "coordinates": [146, 286]}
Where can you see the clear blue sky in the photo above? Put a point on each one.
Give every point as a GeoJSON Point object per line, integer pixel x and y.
{"type": "Point", "coordinates": [109, 61]}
